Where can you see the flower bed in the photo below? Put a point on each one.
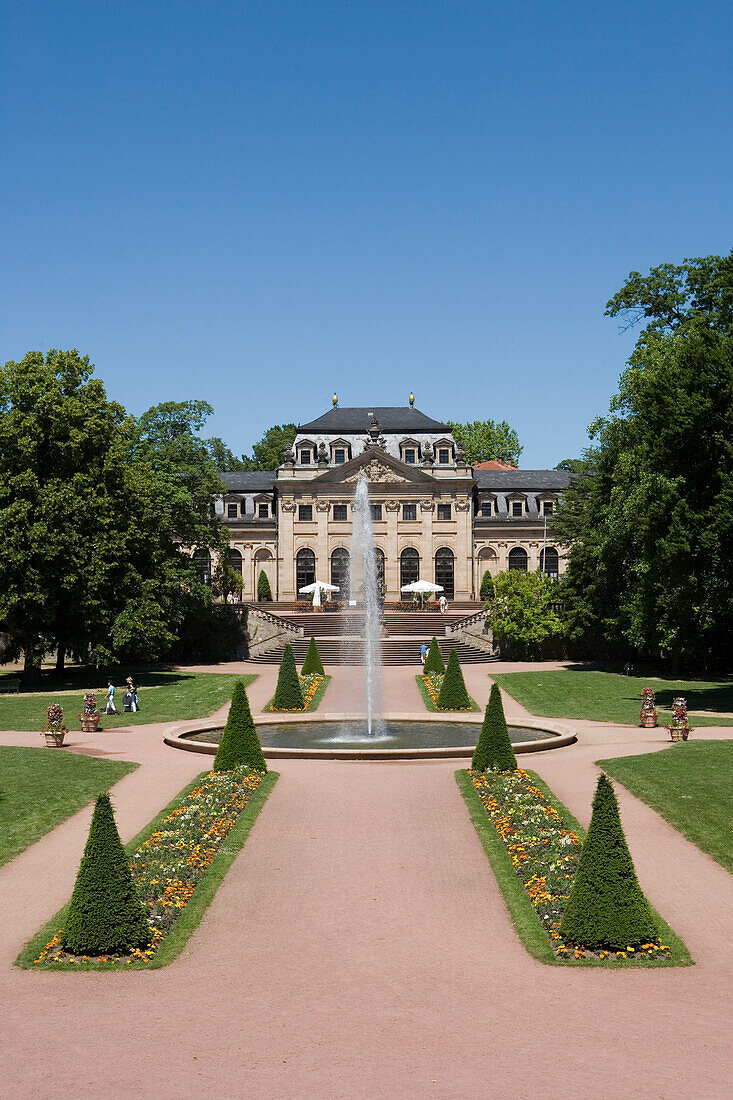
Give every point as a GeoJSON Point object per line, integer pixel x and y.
{"type": "Point", "coordinates": [544, 855]}
{"type": "Point", "coordinates": [313, 685]}
{"type": "Point", "coordinates": [430, 684]}
{"type": "Point", "coordinates": [170, 864]}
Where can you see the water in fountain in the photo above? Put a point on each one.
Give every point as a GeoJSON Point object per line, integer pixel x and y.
{"type": "Point", "coordinates": [364, 589]}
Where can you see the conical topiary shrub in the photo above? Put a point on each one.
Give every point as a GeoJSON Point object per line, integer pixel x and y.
{"type": "Point", "coordinates": [239, 741]}
{"type": "Point", "coordinates": [312, 662]}
{"type": "Point", "coordinates": [105, 914]}
{"type": "Point", "coordinates": [486, 591]}
{"type": "Point", "coordinates": [264, 592]}
{"type": "Point", "coordinates": [434, 661]}
{"type": "Point", "coordinates": [453, 694]}
{"type": "Point", "coordinates": [606, 907]}
{"type": "Point", "coordinates": [288, 694]}
{"type": "Point", "coordinates": [494, 748]}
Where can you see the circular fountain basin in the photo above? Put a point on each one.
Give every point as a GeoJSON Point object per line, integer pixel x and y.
{"type": "Point", "coordinates": [348, 739]}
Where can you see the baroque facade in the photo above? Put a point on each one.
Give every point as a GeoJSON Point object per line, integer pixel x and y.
{"type": "Point", "coordinates": [434, 517]}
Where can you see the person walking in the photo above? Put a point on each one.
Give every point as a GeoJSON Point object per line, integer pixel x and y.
{"type": "Point", "coordinates": [110, 707]}
{"type": "Point", "coordinates": [423, 652]}
{"type": "Point", "coordinates": [132, 692]}
{"type": "Point", "coordinates": [443, 603]}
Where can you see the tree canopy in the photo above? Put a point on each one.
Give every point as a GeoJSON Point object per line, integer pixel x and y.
{"type": "Point", "coordinates": [522, 613]}
{"type": "Point", "coordinates": [267, 453]}
{"type": "Point", "coordinates": [650, 520]}
{"type": "Point", "coordinates": [485, 440]}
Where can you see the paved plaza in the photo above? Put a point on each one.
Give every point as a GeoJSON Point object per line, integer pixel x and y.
{"type": "Point", "coordinates": [359, 944]}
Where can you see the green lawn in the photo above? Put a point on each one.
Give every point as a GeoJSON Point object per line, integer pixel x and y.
{"type": "Point", "coordinates": [611, 697]}
{"type": "Point", "coordinates": [690, 785]}
{"type": "Point", "coordinates": [163, 696]}
{"type": "Point", "coordinates": [41, 787]}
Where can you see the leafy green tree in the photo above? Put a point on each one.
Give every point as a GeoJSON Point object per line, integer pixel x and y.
{"type": "Point", "coordinates": [486, 590]}
{"type": "Point", "coordinates": [606, 907]}
{"type": "Point", "coordinates": [264, 592]}
{"type": "Point", "coordinates": [312, 663]}
{"type": "Point", "coordinates": [485, 440]}
{"type": "Point", "coordinates": [222, 457]}
{"type": "Point", "coordinates": [105, 914]}
{"type": "Point", "coordinates": [650, 521]}
{"type": "Point", "coordinates": [522, 613]}
{"type": "Point", "coordinates": [267, 454]}
{"type": "Point", "coordinates": [239, 741]}
{"type": "Point", "coordinates": [434, 660]}
{"type": "Point", "coordinates": [453, 694]}
{"type": "Point", "coordinates": [494, 749]}
{"type": "Point", "coordinates": [288, 693]}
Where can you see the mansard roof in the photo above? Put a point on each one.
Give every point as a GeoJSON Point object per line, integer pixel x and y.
{"type": "Point", "coordinates": [534, 480]}
{"type": "Point", "coordinates": [249, 481]}
{"type": "Point", "coordinates": [357, 421]}
{"type": "Point", "coordinates": [378, 465]}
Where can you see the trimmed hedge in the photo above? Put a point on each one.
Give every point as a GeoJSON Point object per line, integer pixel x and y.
{"type": "Point", "coordinates": [312, 662]}
{"type": "Point", "coordinates": [264, 592]}
{"type": "Point", "coordinates": [105, 913]}
{"type": "Point", "coordinates": [494, 749]}
{"type": "Point", "coordinates": [239, 741]}
{"type": "Point", "coordinates": [288, 693]}
{"type": "Point", "coordinates": [486, 591]}
{"type": "Point", "coordinates": [606, 907]}
{"type": "Point", "coordinates": [434, 661]}
{"type": "Point", "coordinates": [453, 694]}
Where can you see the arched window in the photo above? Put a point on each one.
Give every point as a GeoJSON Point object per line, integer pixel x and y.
{"type": "Point", "coordinates": [340, 572]}
{"type": "Point", "coordinates": [518, 559]}
{"type": "Point", "coordinates": [305, 569]}
{"type": "Point", "coordinates": [444, 570]}
{"type": "Point", "coordinates": [235, 561]}
{"type": "Point", "coordinates": [379, 562]}
{"type": "Point", "coordinates": [549, 561]}
{"type": "Point", "coordinates": [409, 566]}
{"type": "Point", "coordinates": [202, 565]}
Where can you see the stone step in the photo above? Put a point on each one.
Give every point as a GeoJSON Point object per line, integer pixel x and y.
{"type": "Point", "coordinates": [395, 651]}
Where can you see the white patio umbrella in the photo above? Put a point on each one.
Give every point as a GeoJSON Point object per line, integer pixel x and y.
{"type": "Point", "coordinates": [421, 587]}
{"type": "Point", "coordinates": [316, 588]}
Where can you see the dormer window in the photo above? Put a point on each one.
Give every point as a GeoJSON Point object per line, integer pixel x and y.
{"type": "Point", "coordinates": [339, 455]}
{"type": "Point", "coordinates": [517, 508]}
{"type": "Point", "coordinates": [485, 507]}
{"type": "Point", "coordinates": [443, 455]}
{"type": "Point", "coordinates": [410, 458]}
{"type": "Point", "coordinates": [410, 450]}
{"type": "Point", "coordinates": [306, 457]}
{"type": "Point", "coordinates": [546, 507]}
{"type": "Point", "coordinates": [263, 511]}
{"type": "Point", "coordinates": [340, 451]}
{"type": "Point", "coordinates": [231, 511]}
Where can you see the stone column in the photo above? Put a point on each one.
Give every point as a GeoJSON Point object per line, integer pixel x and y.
{"type": "Point", "coordinates": [392, 552]}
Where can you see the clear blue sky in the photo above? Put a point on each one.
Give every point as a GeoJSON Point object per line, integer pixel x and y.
{"type": "Point", "coordinates": [259, 203]}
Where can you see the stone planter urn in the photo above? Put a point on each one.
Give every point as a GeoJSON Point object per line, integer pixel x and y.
{"type": "Point", "coordinates": [54, 738]}
{"type": "Point", "coordinates": [89, 716]}
{"type": "Point", "coordinates": [55, 730]}
{"type": "Point", "coordinates": [89, 723]}
{"type": "Point", "coordinates": [649, 721]}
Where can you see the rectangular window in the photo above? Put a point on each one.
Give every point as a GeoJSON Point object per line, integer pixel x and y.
{"type": "Point", "coordinates": [547, 508]}
{"type": "Point", "coordinates": [305, 512]}
{"type": "Point", "coordinates": [231, 511]}
{"type": "Point", "coordinates": [305, 458]}
{"type": "Point", "coordinates": [409, 511]}
{"type": "Point", "coordinates": [443, 456]}
{"type": "Point", "coordinates": [516, 508]}
{"type": "Point", "coordinates": [485, 507]}
{"type": "Point", "coordinates": [339, 456]}
{"type": "Point", "coordinates": [444, 511]}
{"type": "Point", "coordinates": [263, 511]}
{"type": "Point", "coordinates": [376, 511]}
{"type": "Point", "coordinates": [410, 456]}
{"type": "Point", "coordinates": [340, 513]}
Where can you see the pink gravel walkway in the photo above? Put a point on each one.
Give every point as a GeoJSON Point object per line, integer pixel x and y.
{"type": "Point", "coordinates": [359, 947]}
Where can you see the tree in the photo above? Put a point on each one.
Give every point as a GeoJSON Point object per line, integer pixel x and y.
{"type": "Point", "coordinates": [494, 749]}
{"type": "Point", "coordinates": [486, 439]}
{"type": "Point", "coordinates": [434, 660]}
{"type": "Point", "coordinates": [312, 663]}
{"type": "Point", "coordinates": [264, 592]}
{"type": "Point", "coordinates": [453, 694]}
{"type": "Point", "coordinates": [606, 908]}
{"type": "Point", "coordinates": [222, 457]}
{"type": "Point", "coordinates": [486, 590]}
{"type": "Point", "coordinates": [522, 613]}
{"type": "Point", "coordinates": [650, 521]}
{"type": "Point", "coordinates": [288, 693]}
{"type": "Point", "coordinates": [267, 454]}
{"type": "Point", "coordinates": [105, 914]}
{"type": "Point", "coordinates": [239, 741]}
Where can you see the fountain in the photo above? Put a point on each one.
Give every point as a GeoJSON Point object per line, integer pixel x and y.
{"type": "Point", "coordinates": [363, 587]}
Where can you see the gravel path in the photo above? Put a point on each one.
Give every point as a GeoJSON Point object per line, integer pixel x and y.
{"type": "Point", "coordinates": [359, 946]}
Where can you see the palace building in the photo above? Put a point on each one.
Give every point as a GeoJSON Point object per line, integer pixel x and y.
{"type": "Point", "coordinates": [434, 517]}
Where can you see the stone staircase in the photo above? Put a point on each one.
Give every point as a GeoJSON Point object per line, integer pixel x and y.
{"type": "Point", "coordinates": [339, 637]}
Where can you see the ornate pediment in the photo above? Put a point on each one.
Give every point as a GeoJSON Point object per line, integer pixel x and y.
{"type": "Point", "coordinates": [376, 471]}
{"type": "Point", "coordinates": [379, 467]}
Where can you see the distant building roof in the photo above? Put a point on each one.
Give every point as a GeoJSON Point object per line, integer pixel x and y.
{"type": "Point", "coordinates": [355, 421]}
{"type": "Point", "coordinates": [249, 481]}
{"type": "Point", "coordinates": [493, 464]}
{"type": "Point", "coordinates": [536, 480]}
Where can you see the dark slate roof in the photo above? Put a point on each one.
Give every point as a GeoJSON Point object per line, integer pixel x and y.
{"type": "Point", "coordinates": [349, 421]}
{"type": "Point", "coordinates": [249, 481]}
{"type": "Point", "coordinates": [522, 479]}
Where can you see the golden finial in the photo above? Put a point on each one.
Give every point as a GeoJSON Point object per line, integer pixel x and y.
{"type": "Point", "coordinates": [335, 401]}
{"type": "Point", "coordinates": [412, 400]}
